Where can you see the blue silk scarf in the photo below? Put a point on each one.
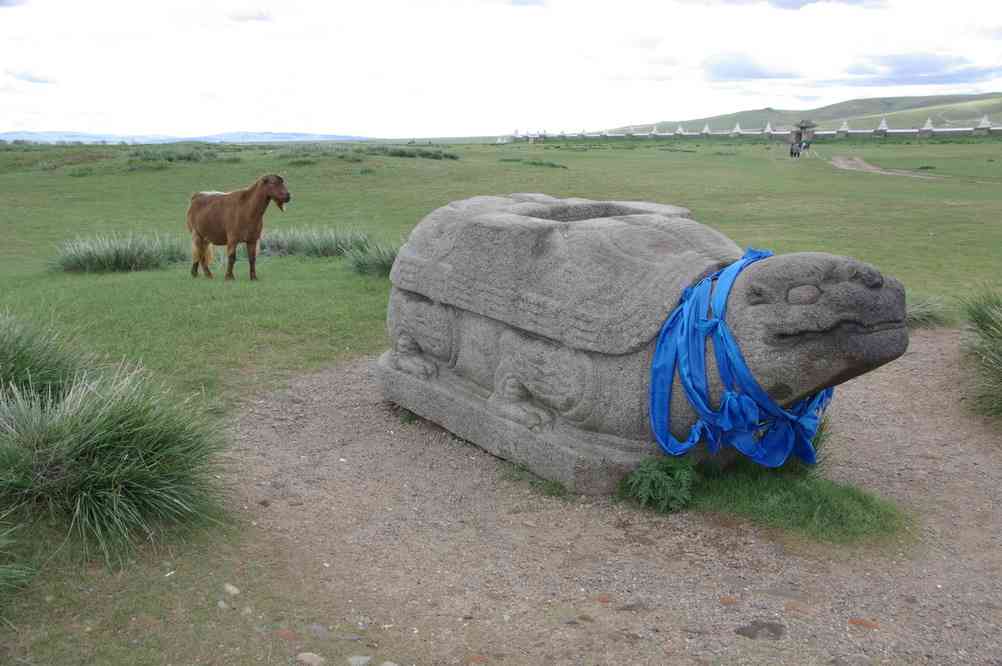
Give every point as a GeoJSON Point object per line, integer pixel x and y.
{"type": "Point", "coordinates": [748, 419]}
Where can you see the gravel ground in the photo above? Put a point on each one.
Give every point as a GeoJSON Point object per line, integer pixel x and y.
{"type": "Point", "coordinates": [427, 548]}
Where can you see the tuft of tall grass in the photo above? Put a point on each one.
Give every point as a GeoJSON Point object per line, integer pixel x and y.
{"type": "Point", "coordinates": [114, 252]}
{"type": "Point", "coordinates": [393, 151]}
{"type": "Point", "coordinates": [313, 242]}
{"type": "Point", "coordinates": [984, 314]}
{"type": "Point", "coordinates": [375, 259]}
{"type": "Point", "coordinates": [35, 360]}
{"type": "Point", "coordinates": [926, 312]}
{"type": "Point", "coordinates": [118, 460]}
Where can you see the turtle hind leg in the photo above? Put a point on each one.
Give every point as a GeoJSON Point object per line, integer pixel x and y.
{"type": "Point", "coordinates": [408, 357]}
{"type": "Point", "coordinates": [512, 400]}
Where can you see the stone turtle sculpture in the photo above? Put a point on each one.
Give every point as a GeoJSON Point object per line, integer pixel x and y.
{"type": "Point", "coordinates": [526, 324]}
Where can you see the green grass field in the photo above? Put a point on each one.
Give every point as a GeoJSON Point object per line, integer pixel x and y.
{"type": "Point", "coordinates": [937, 236]}
{"type": "Point", "coordinates": [233, 341]}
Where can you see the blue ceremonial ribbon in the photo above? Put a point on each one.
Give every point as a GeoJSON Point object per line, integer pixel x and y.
{"type": "Point", "coordinates": [747, 418]}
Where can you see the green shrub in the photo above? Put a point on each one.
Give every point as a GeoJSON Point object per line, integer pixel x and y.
{"type": "Point", "coordinates": [302, 161]}
{"type": "Point", "coordinates": [984, 313]}
{"type": "Point", "coordinates": [34, 360]}
{"type": "Point", "coordinates": [117, 461]}
{"type": "Point", "coordinates": [172, 154]}
{"type": "Point", "coordinates": [375, 259]}
{"type": "Point", "coordinates": [544, 163]}
{"type": "Point", "coordinates": [926, 312]}
{"type": "Point", "coordinates": [80, 172]}
{"type": "Point", "coordinates": [663, 483]}
{"type": "Point", "coordinates": [313, 242]}
{"type": "Point", "coordinates": [132, 252]}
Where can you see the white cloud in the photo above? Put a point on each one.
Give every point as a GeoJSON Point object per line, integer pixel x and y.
{"type": "Point", "coordinates": [457, 67]}
{"type": "Point", "coordinates": [28, 77]}
{"type": "Point", "coordinates": [244, 16]}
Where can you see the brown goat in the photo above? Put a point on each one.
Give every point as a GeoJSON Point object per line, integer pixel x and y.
{"type": "Point", "coordinates": [229, 218]}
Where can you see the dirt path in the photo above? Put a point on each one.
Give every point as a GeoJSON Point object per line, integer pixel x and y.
{"type": "Point", "coordinates": [858, 164]}
{"type": "Point", "coordinates": [438, 560]}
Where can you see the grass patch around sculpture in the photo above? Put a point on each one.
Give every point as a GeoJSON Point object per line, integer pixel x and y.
{"type": "Point", "coordinates": [521, 474]}
{"type": "Point", "coordinates": [808, 504]}
{"type": "Point", "coordinates": [794, 497]}
{"type": "Point", "coordinates": [984, 314]}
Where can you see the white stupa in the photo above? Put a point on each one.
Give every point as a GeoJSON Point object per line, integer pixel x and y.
{"type": "Point", "coordinates": [928, 124]}
{"type": "Point", "coordinates": [706, 128]}
{"type": "Point", "coordinates": [679, 129]}
{"type": "Point", "coordinates": [844, 127]}
{"type": "Point", "coordinates": [882, 127]}
{"type": "Point", "coordinates": [985, 123]}
{"type": "Point", "coordinates": [768, 128]}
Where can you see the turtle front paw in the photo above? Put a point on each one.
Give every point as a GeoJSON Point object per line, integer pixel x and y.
{"type": "Point", "coordinates": [415, 365]}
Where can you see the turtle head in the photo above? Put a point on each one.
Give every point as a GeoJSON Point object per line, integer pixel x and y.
{"type": "Point", "coordinates": [809, 320]}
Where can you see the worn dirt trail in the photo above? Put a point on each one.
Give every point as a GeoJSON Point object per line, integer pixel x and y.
{"type": "Point", "coordinates": [858, 164]}
{"type": "Point", "coordinates": [438, 560]}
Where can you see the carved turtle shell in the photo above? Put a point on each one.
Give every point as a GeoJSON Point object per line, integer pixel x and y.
{"type": "Point", "coordinates": [600, 276]}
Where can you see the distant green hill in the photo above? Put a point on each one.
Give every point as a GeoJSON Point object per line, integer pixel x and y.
{"type": "Point", "coordinates": [901, 112]}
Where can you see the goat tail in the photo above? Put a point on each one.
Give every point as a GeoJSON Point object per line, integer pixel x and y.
{"type": "Point", "coordinates": [201, 251]}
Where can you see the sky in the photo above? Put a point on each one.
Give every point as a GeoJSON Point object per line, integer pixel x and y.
{"type": "Point", "coordinates": [426, 68]}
